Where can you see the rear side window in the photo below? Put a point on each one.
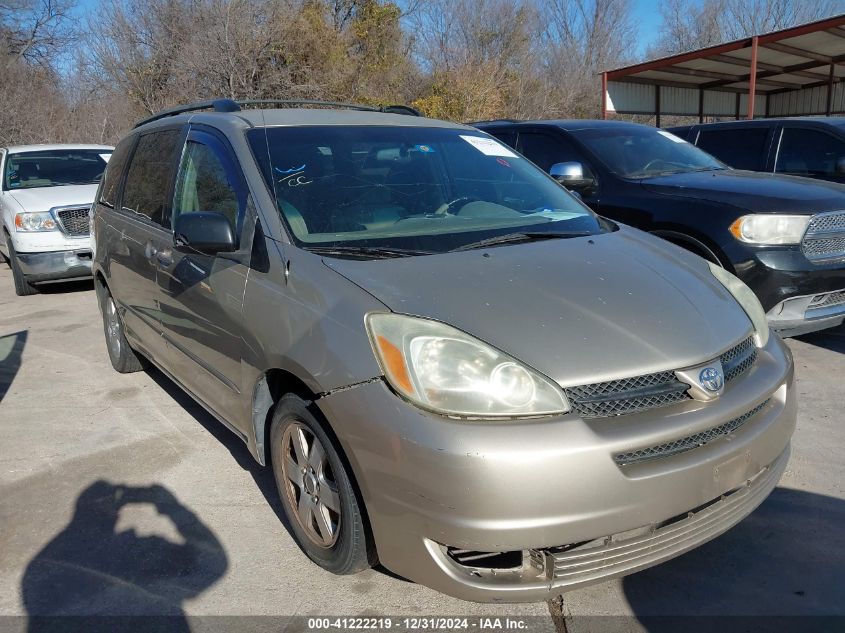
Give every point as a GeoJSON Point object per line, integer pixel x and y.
{"type": "Point", "coordinates": [543, 150]}
{"type": "Point", "coordinates": [741, 149]}
{"type": "Point", "coordinates": [148, 178]}
{"type": "Point", "coordinates": [806, 152]}
{"type": "Point", "coordinates": [114, 171]}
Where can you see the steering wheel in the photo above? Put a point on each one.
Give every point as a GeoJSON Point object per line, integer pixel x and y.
{"type": "Point", "coordinates": [459, 203]}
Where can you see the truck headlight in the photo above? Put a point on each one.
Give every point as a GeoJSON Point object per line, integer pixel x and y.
{"type": "Point", "coordinates": [747, 299]}
{"type": "Point", "coordinates": [448, 371]}
{"type": "Point", "coordinates": [34, 222]}
{"type": "Point", "coordinates": [770, 229]}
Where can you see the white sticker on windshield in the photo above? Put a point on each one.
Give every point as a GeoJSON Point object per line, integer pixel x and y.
{"type": "Point", "coordinates": [488, 146]}
{"type": "Point", "coordinates": [671, 136]}
{"type": "Point", "coordinates": [105, 157]}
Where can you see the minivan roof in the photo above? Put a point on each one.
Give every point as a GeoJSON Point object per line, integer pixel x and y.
{"type": "Point", "coordinates": [278, 117]}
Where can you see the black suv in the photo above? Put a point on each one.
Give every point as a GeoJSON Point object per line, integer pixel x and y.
{"type": "Point", "coordinates": [809, 147]}
{"type": "Point", "coordinates": [783, 236]}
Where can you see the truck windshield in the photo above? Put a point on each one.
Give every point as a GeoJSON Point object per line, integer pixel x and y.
{"type": "Point", "coordinates": [425, 189]}
{"type": "Point", "coordinates": [645, 152]}
{"type": "Point", "coordinates": [55, 168]}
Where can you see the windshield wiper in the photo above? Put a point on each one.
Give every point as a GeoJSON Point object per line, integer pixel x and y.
{"type": "Point", "coordinates": [369, 252]}
{"type": "Point", "coordinates": [522, 236]}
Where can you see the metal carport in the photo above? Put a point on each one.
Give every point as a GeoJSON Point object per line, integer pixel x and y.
{"type": "Point", "coordinates": [791, 72]}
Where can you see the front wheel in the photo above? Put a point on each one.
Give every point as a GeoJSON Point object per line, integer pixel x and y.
{"type": "Point", "coordinates": [316, 490]}
{"type": "Point", "coordinates": [22, 286]}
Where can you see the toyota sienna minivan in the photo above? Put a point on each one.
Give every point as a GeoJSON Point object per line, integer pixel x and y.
{"type": "Point", "coordinates": [452, 365]}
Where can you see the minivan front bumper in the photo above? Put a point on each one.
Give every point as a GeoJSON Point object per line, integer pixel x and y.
{"type": "Point", "coordinates": [56, 265]}
{"type": "Point", "coordinates": [549, 493]}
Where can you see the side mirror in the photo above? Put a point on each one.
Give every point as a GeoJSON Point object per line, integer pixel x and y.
{"type": "Point", "coordinates": [572, 175]}
{"type": "Point", "coordinates": [840, 165]}
{"type": "Point", "coordinates": [207, 233]}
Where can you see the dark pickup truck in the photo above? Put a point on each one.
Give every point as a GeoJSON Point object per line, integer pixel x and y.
{"type": "Point", "coordinates": [783, 236]}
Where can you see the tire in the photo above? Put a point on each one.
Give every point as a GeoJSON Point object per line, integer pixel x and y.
{"type": "Point", "coordinates": [339, 542]}
{"type": "Point", "coordinates": [123, 358]}
{"type": "Point", "coordinates": [22, 287]}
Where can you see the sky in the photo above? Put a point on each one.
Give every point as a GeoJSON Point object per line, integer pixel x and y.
{"type": "Point", "coordinates": [647, 15]}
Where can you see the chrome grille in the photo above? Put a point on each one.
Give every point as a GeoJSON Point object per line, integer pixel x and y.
{"type": "Point", "coordinates": [687, 443]}
{"type": "Point", "coordinates": [649, 391]}
{"type": "Point", "coordinates": [829, 299]}
{"type": "Point", "coordinates": [628, 395]}
{"type": "Point", "coordinates": [738, 359]}
{"type": "Point", "coordinates": [825, 237]}
{"type": "Point", "coordinates": [74, 222]}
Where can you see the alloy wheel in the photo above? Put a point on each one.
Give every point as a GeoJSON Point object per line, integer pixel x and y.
{"type": "Point", "coordinates": [310, 485]}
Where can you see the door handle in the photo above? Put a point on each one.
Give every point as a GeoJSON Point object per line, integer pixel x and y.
{"type": "Point", "coordinates": [164, 257]}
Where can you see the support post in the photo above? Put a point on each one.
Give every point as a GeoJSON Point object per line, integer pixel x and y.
{"type": "Point", "coordinates": [736, 107]}
{"type": "Point", "coordinates": [752, 80]}
{"type": "Point", "coordinates": [701, 105]}
{"type": "Point", "coordinates": [830, 78]}
{"type": "Point", "coordinates": [604, 96]}
{"type": "Point", "coordinates": [657, 106]}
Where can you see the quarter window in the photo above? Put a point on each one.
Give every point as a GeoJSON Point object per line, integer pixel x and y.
{"type": "Point", "coordinates": [806, 152]}
{"type": "Point", "coordinates": [114, 171]}
{"type": "Point", "coordinates": [207, 183]}
{"type": "Point", "coordinates": [148, 179]}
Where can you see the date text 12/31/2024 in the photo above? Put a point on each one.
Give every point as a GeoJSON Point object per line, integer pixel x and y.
{"type": "Point", "coordinates": [418, 623]}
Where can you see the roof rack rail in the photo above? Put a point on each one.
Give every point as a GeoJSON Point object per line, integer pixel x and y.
{"type": "Point", "coordinates": [228, 105]}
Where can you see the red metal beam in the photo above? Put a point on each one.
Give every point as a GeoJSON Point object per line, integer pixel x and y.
{"type": "Point", "coordinates": [604, 96]}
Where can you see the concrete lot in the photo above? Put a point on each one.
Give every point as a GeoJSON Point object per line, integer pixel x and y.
{"type": "Point", "coordinates": [106, 476]}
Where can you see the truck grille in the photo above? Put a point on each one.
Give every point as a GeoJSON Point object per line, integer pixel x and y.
{"type": "Point", "coordinates": [74, 222]}
{"type": "Point", "coordinates": [687, 443]}
{"type": "Point", "coordinates": [649, 391]}
{"type": "Point", "coordinates": [825, 237]}
{"type": "Point", "coordinates": [828, 300]}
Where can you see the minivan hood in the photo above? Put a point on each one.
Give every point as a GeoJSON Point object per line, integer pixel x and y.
{"type": "Point", "coordinates": [579, 310]}
{"type": "Point", "coordinates": [45, 198]}
{"type": "Point", "coordinates": [753, 191]}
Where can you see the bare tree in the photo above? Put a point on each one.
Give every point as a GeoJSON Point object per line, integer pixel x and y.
{"type": "Point", "coordinates": [691, 24]}
{"type": "Point", "coordinates": [35, 30]}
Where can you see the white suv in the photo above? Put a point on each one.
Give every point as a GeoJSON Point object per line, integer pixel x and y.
{"type": "Point", "coordinates": [46, 195]}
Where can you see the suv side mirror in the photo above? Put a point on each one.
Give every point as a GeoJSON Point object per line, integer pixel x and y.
{"type": "Point", "coordinates": [572, 175]}
{"type": "Point", "coordinates": [207, 233]}
{"type": "Point", "coordinates": [840, 165]}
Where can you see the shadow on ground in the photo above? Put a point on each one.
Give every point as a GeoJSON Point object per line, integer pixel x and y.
{"type": "Point", "coordinates": [92, 568]}
{"type": "Point", "coordinates": [62, 287]}
{"type": "Point", "coordinates": [11, 352]}
{"type": "Point", "coordinates": [262, 476]}
{"type": "Point", "coordinates": [786, 559]}
{"type": "Point", "coordinates": [832, 339]}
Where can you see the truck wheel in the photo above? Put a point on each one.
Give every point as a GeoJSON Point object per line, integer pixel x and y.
{"type": "Point", "coordinates": [22, 287]}
{"type": "Point", "coordinates": [317, 495]}
{"type": "Point", "coordinates": [123, 358]}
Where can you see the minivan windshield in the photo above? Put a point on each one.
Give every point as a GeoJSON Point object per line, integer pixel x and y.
{"type": "Point", "coordinates": [644, 152]}
{"type": "Point", "coordinates": [55, 168]}
{"type": "Point", "coordinates": [420, 189]}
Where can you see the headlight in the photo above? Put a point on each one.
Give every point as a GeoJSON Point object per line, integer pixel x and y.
{"type": "Point", "coordinates": [770, 229]}
{"type": "Point", "coordinates": [445, 370]}
{"type": "Point", "coordinates": [747, 299]}
{"type": "Point", "coordinates": [34, 222]}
